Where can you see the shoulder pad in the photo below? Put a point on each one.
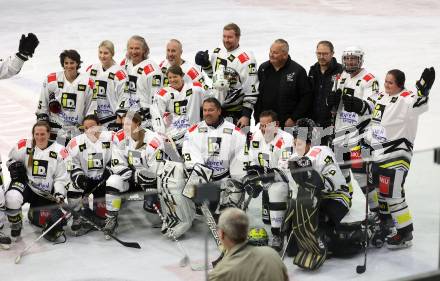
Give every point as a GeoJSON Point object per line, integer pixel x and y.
{"type": "Point", "coordinates": [91, 84]}
{"type": "Point", "coordinates": [21, 144]}
{"type": "Point", "coordinates": [89, 67]}
{"type": "Point", "coordinates": [148, 69]}
{"type": "Point", "coordinates": [120, 135]}
{"type": "Point", "coordinates": [123, 62]}
{"type": "Point", "coordinates": [192, 128]}
{"type": "Point", "coordinates": [120, 75]}
{"type": "Point", "coordinates": [52, 77]}
{"type": "Point", "coordinates": [243, 57]}
{"type": "Point", "coordinates": [192, 73]}
{"type": "Point", "coordinates": [315, 151]}
{"type": "Point", "coordinates": [162, 92]}
{"type": "Point", "coordinates": [368, 77]}
{"type": "Point", "coordinates": [279, 143]}
{"type": "Point", "coordinates": [405, 93]}
{"type": "Point", "coordinates": [197, 84]}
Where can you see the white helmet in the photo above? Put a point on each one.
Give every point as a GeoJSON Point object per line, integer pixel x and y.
{"type": "Point", "coordinates": [353, 51]}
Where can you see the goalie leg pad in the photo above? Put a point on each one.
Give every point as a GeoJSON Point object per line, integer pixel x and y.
{"type": "Point", "coordinates": [277, 193]}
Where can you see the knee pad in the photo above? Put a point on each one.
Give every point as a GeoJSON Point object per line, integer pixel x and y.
{"type": "Point", "coordinates": [117, 183]}
{"type": "Point", "coordinates": [38, 216]}
{"type": "Point", "coordinates": [14, 199]}
{"type": "Point", "coordinates": [172, 178]}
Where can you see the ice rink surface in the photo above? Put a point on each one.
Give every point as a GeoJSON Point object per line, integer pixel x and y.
{"type": "Point", "coordinates": [393, 34]}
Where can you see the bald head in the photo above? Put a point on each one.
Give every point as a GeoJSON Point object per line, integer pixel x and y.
{"type": "Point", "coordinates": [174, 52]}
{"type": "Point", "coordinates": [235, 224]}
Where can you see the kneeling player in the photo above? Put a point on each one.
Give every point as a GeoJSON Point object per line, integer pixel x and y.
{"type": "Point", "coordinates": [91, 156]}
{"type": "Point", "coordinates": [38, 174]}
{"type": "Point", "coordinates": [135, 157]}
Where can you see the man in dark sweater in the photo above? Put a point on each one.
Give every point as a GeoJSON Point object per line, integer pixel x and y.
{"type": "Point", "coordinates": [322, 76]}
{"type": "Point", "coordinates": [284, 86]}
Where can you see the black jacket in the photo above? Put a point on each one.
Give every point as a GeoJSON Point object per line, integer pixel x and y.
{"type": "Point", "coordinates": [293, 93]}
{"type": "Point", "coordinates": [321, 86]}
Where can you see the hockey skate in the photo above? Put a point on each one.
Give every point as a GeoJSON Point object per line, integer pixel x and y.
{"type": "Point", "coordinates": [277, 243]}
{"type": "Point", "coordinates": [398, 239]}
{"type": "Point", "coordinates": [178, 230]}
{"type": "Point", "coordinates": [16, 231]}
{"type": "Point", "coordinates": [5, 241]}
{"type": "Point", "coordinates": [111, 223]}
{"type": "Point", "coordinates": [80, 227]}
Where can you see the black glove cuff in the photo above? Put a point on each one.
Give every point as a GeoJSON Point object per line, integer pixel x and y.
{"type": "Point", "coordinates": [22, 56]}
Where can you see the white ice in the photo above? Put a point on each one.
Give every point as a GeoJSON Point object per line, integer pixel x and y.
{"type": "Point", "coordinates": [394, 34]}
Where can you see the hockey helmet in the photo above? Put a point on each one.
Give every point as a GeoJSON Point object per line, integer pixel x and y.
{"type": "Point", "coordinates": [257, 236]}
{"type": "Point", "coordinates": [232, 76]}
{"type": "Point", "coordinates": [350, 52]}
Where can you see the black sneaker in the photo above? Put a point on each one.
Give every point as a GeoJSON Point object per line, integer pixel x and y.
{"type": "Point", "coordinates": [399, 240]}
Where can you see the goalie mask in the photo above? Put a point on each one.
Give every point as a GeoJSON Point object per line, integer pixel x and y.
{"type": "Point", "coordinates": [352, 59]}
{"type": "Point", "coordinates": [232, 76]}
{"type": "Point", "coordinates": [258, 237]}
{"type": "Point", "coordinates": [231, 195]}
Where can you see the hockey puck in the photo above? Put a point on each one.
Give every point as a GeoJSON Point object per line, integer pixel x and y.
{"type": "Point", "coordinates": [360, 269]}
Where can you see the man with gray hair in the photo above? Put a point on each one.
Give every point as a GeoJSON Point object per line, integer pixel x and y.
{"type": "Point", "coordinates": [284, 86]}
{"type": "Point", "coordinates": [241, 261]}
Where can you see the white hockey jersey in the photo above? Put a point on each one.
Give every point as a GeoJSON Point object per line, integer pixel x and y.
{"type": "Point", "coordinates": [10, 67]}
{"type": "Point", "coordinates": [110, 85]}
{"type": "Point", "coordinates": [90, 157]}
{"type": "Point", "coordinates": [350, 126]}
{"type": "Point", "coordinates": [179, 110]}
{"type": "Point", "coordinates": [48, 171]}
{"type": "Point", "coordinates": [77, 99]}
{"type": "Point", "coordinates": [243, 93]}
{"type": "Point", "coordinates": [220, 148]}
{"type": "Point", "coordinates": [393, 125]}
{"type": "Point", "coordinates": [144, 80]}
{"type": "Point", "coordinates": [269, 154]}
{"type": "Point", "coordinates": [192, 73]}
{"type": "Point", "coordinates": [126, 158]}
{"type": "Point", "coordinates": [324, 162]}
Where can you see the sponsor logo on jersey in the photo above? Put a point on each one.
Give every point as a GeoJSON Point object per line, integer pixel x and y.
{"type": "Point", "coordinates": [231, 58]}
{"type": "Point", "coordinates": [93, 72]}
{"type": "Point", "coordinates": [132, 80]}
{"type": "Point", "coordinates": [51, 77]}
{"type": "Point", "coordinates": [192, 73]}
{"type": "Point", "coordinates": [139, 71]}
{"type": "Point", "coordinates": [255, 144]}
{"type": "Point", "coordinates": [393, 99]}
{"type": "Point", "coordinates": [81, 87]}
{"type": "Point", "coordinates": [106, 145]}
{"type": "Point", "coordinates": [263, 159]}
{"type": "Point", "coordinates": [203, 130]}
{"type": "Point", "coordinates": [378, 112]}
{"type": "Point", "coordinates": [214, 145]}
{"type": "Point", "coordinates": [101, 88]}
{"type": "Point", "coordinates": [243, 57]}
{"type": "Point", "coordinates": [111, 76]}
{"type": "Point", "coordinates": [82, 147]}
{"type": "Point", "coordinates": [216, 50]}
{"type": "Point", "coordinates": [180, 107]}
{"type": "Point", "coordinates": [384, 184]}
{"type": "Point", "coordinates": [135, 158]}
{"type": "Point", "coordinates": [368, 77]}
{"type": "Point", "coordinates": [148, 69]}
{"type": "Point", "coordinates": [315, 152]}
{"type": "Point", "coordinates": [189, 92]}
{"type": "Point", "coordinates": [53, 154]}
{"type": "Point", "coordinates": [120, 75]}
{"type": "Point", "coordinates": [228, 131]}
{"type": "Point", "coordinates": [60, 85]}
{"type": "Point", "coordinates": [39, 168]}
{"type": "Point", "coordinates": [328, 159]}
{"type": "Point", "coordinates": [68, 101]}
{"type": "Point", "coordinates": [252, 69]}
{"type": "Point", "coordinates": [157, 80]}
{"type": "Point", "coordinates": [21, 144]}
{"type": "Point", "coordinates": [95, 161]}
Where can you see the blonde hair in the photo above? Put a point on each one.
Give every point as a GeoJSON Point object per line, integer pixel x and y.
{"type": "Point", "coordinates": [108, 45]}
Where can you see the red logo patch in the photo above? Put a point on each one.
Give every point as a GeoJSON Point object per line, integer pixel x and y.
{"type": "Point", "coordinates": [120, 75]}
{"type": "Point", "coordinates": [315, 152]}
{"type": "Point", "coordinates": [21, 143]}
{"type": "Point", "coordinates": [192, 73]}
{"type": "Point", "coordinates": [355, 156]}
{"type": "Point", "coordinates": [148, 68]}
{"type": "Point", "coordinates": [51, 77]}
{"type": "Point", "coordinates": [162, 92]}
{"type": "Point", "coordinates": [243, 57]}
{"type": "Point", "coordinates": [384, 184]}
{"type": "Point", "coordinates": [368, 77]}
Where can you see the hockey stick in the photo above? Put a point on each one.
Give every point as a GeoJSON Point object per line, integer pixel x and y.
{"type": "Point", "coordinates": [211, 224]}
{"type": "Point", "coordinates": [361, 268]}
{"type": "Point", "coordinates": [287, 245]}
{"type": "Point", "coordinates": [185, 260]}
{"type": "Point", "coordinates": [64, 216]}
{"type": "Point", "coordinates": [75, 213]}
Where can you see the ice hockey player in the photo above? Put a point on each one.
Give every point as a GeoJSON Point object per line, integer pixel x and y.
{"type": "Point", "coordinates": [144, 79]}
{"type": "Point", "coordinates": [135, 156]}
{"type": "Point", "coordinates": [191, 72]}
{"type": "Point", "coordinates": [179, 105]}
{"type": "Point", "coordinates": [392, 133]}
{"type": "Point", "coordinates": [26, 48]}
{"type": "Point", "coordinates": [354, 82]}
{"type": "Point", "coordinates": [213, 150]}
{"type": "Point", "coordinates": [234, 74]}
{"type": "Point", "coordinates": [324, 196]}
{"type": "Point", "coordinates": [110, 83]}
{"type": "Point", "coordinates": [38, 172]}
{"type": "Point", "coordinates": [91, 154]}
{"type": "Point", "coordinates": [268, 145]}
{"type": "Point", "coordinates": [5, 241]}
{"type": "Point", "coordinates": [66, 98]}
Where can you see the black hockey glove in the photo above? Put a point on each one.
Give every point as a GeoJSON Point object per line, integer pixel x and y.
{"type": "Point", "coordinates": [353, 104]}
{"type": "Point", "coordinates": [255, 178]}
{"type": "Point", "coordinates": [81, 181]}
{"type": "Point", "coordinates": [303, 173]}
{"type": "Point", "coordinates": [202, 59]}
{"type": "Point", "coordinates": [114, 126]}
{"type": "Point", "coordinates": [27, 45]}
{"type": "Point", "coordinates": [144, 113]}
{"type": "Point", "coordinates": [425, 82]}
{"type": "Point", "coordinates": [54, 104]}
{"type": "Point", "coordinates": [18, 172]}
{"type": "Point", "coordinates": [334, 98]}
